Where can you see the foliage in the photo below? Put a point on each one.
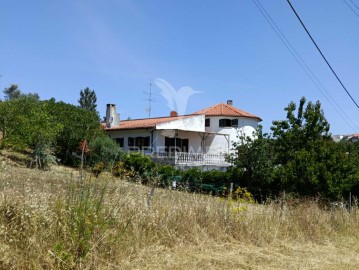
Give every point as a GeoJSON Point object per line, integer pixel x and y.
{"type": "Point", "coordinates": [88, 99]}
{"type": "Point", "coordinates": [138, 167]}
{"type": "Point", "coordinates": [141, 164]}
{"type": "Point", "coordinates": [49, 128]}
{"type": "Point", "coordinates": [13, 92]}
{"type": "Point", "coordinates": [78, 125]}
{"type": "Point", "coordinates": [84, 217]}
{"type": "Point", "coordinates": [253, 159]}
{"type": "Point", "coordinates": [308, 161]}
{"type": "Point", "coordinates": [43, 155]}
{"type": "Point", "coordinates": [25, 123]}
{"type": "Point", "coordinates": [300, 157]}
{"type": "Point", "coordinates": [118, 169]}
{"type": "Point", "coordinates": [104, 152]}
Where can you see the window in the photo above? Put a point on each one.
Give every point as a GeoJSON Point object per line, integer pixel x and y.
{"type": "Point", "coordinates": [234, 122]}
{"type": "Point", "coordinates": [131, 141]}
{"type": "Point", "coordinates": [228, 122]}
{"type": "Point", "coordinates": [207, 122]}
{"type": "Point", "coordinates": [120, 141]}
{"type": "Point", "coordinates": [142, 142]}
{"type": "Point", "coordinates": [139, 143]}
{"type": "Point", "coordinates": [176, 145]}
{"type": "Point", "coordinates": [225, 122]}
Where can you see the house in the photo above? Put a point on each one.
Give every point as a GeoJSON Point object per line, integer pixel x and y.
{"type": "Point", "coordinates": [349, 137]}
{"type": "Point", "coordinates": [353, 137]}
{"type": "Point", "coordinates": [202, 138]}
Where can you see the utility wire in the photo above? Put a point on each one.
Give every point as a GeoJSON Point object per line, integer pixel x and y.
{"type": "Point", "coordinates": [354, 4]}
{"type": "Point", "coordinates": [303, 65]}
{"type": "Point", "coordinates": [352, 9]}
{"type": "Point", "coordinates": [325, 59]}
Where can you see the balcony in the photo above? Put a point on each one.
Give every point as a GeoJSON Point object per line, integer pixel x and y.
{"type": "Point", "coordinates": [191, 159]}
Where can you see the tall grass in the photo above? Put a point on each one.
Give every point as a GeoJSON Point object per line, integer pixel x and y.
{"type": "Point", "coordinates": [107, 224]}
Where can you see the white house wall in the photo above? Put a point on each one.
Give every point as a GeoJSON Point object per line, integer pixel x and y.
{"type": "Point", "coordinates": [193, 123]}
{"type": "Point", "coordinates": [246, 127]}
{"type": "Point", "coordinates": [217, 144]}
{"type": "Point", "coordinates": [214, 143]}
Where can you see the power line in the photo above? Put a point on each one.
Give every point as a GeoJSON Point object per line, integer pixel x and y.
{"type": "Point", "coordinates": [304, 66]}
{"type": "Point", "coordinates": [352, 9]}
{"type": "Point", "coordinates": [354, 4]}
{"type": "Point", "coordinates": [325, 59]}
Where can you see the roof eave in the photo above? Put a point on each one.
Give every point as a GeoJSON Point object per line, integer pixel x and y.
{"type": "Point", "coordinates": [131, 128]}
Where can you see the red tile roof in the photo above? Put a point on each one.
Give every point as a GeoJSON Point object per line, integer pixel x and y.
{"type": "Point", "coordinates": [353, 136]}
{"type": "Point", "coordinates": [222, 109]}
{"type": "Point", "coordinates": [144, 123]}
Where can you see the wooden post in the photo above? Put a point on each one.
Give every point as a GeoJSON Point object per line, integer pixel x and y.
{"type": "Point", "coordinates": [282, 205]}
{"type": "Point", "coordinates": [230, 190]}
{"type": "Point", "coordinates": [150, 196]}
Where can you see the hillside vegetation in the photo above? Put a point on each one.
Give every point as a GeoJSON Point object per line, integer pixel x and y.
{"type": "Point", "coordinates": [54, 220]}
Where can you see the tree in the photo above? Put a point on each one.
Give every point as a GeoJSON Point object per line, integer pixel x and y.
{"type": "Point", "coordinates": [12, 92]}
{"type": "Point", "coordinates": [78, 125]}
{"type": "Point", "coordinates": [253, 159]}
{"type": "Point", "coordinates": [26, 124]}
{"type": "Point", "coordinates": [299, 157]}
{"type": "Point", "coordinates": [308, 162]}
{"type": "Point", "coordinates": [88, 99]}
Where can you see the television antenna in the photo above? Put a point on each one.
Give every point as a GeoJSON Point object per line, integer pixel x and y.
{"type": "Point", "coordinates": [149, 100]}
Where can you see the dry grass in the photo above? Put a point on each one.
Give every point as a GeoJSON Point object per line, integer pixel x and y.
{"type": "Point", "coordinates": [49, 220]}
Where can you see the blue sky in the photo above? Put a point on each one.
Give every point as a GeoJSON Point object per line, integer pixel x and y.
{"type": "Point", "coordinates": [225, 49]}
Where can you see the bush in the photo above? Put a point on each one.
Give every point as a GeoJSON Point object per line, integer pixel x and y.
{"type": "Point", "coordinates": [167, 174]}
{"type": "Point", "coordinates": [105, 151]}
{"type": "Point", "coordinates": [141, 164]}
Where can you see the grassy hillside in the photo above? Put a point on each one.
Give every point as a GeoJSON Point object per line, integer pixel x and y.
{"type": "Point", "coordinates": [53, 220]}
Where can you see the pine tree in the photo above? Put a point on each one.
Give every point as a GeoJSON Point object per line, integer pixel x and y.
{"type": "Point", "coordinates": [88, 99]}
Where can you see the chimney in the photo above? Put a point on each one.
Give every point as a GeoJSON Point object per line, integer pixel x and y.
{"type": "Point", "coordinates": [230, 102]}
{"type": "Point", "coordinates": [112, 118]}
{"type": "Point", "coordinates": [173, 114]}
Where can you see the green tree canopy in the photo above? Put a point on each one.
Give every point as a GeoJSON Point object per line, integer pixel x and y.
{"type": "Point", "coordinates": [13, 92]}
{"type": "Point", "coordinates": [88, 99]}
{"type": "Point", "coordinates": [300, 157]}
{"type": "Point", "coordinates": [78, 125]}
{"type": "Point", "coordinates": [25, 123]}
{"type": "Point", "coordinates": [254, 157]}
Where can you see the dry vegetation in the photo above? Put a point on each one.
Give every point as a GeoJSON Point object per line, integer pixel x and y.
{"type": "Point", "coordinates": [49, 220]}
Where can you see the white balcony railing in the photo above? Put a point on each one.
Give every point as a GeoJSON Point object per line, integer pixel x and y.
{"type": "Point", "coordinates": [183, 158]}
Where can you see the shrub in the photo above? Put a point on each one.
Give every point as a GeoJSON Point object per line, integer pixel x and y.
{"type": "Point", "coordinates": [104, 150]}
{"type": "Point", "coordinates": [167, 174]}
{"type": "Point", "coordinates": [141, 164]}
